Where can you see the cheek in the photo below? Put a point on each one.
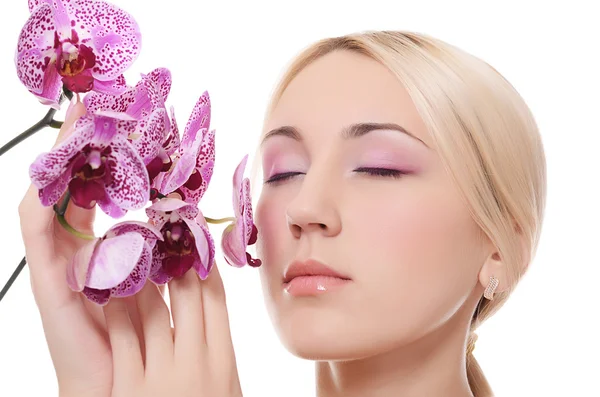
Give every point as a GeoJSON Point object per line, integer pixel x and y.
{"type": "Point", "coordinates": [422, 256]}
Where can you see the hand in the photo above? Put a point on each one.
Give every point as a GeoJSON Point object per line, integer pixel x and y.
{"type": "Point", "coordinates": [196, 358]}
{"type": "Point", "coordinates": [75, 329]}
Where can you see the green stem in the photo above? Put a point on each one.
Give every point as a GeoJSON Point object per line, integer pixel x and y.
{"type": "Point", "coordinates": [46, 121]}
{"type": "Point", "coordinates": [69, 228]}
{"type": "Point", "coordinates": [55, 124]}
{"type": "Point", "coordinates": [63, 208]}
{"type": "Point", "coordinates": [217, 221]}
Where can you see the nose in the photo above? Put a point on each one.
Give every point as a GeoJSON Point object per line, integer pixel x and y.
{"type": "Point", "coordinates": [314, 209]}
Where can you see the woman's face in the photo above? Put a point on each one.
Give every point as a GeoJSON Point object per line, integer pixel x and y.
{"type": "Point", "coordinates": [353, 181]}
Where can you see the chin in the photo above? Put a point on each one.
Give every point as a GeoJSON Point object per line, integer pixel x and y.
{"type": "Point", "coordinates": [318, 336]}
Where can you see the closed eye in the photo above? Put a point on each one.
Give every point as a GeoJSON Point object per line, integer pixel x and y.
{"type": "Point", "coordinates": [282, 177]}
{"type": "Point", "coordinates": [380, 172]}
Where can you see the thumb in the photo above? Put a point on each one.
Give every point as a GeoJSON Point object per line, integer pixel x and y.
{"type": "Point", "coordinates": [74, 112]}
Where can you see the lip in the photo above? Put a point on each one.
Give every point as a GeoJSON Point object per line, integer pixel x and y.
{"type": "Point", "coordinates": [312, 277]}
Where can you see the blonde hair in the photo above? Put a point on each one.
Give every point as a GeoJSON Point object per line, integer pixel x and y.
{"type": "Point", "coordinates": [484, 133]}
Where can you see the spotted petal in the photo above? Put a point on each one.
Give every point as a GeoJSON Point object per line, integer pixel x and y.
{"type": "Point", "coordinates": [138, 276]}
{"type": "Point", "coordinates": [35, 56]}
{"type": "Point", "coordinates": [205, 164]}
{"type": "Point", "coordinates": [51, 194]}
{"type": "Point", "coordinates": [48, 167]}
{"type": "Point", "coordinates": [151, 135]}
{"type": "Point", "coordinates": [114, 260]}
{"type": "Point", "coordinates": [157, 274]}
{"type": "Point", "coordinates": [146, 230]}
{"type": "Point", "coordinates": [112, 33]}
{"type": "Point", "coordinates": [198, 121]}
{"type": "Point", "coordinates": [162, 81]}
{"type": "Point", "coordinates": [130, 186]}
{"type": "Point", "coordinates": [204, 244]}
{"type": "Point", "coordinates": [96, 101]}
{"type": "Point", "coordinates": [111, 209]}
{"type": "Point", "coordinates": [173, 141]}
{"type": "Point", "coordinates": [113, 87]}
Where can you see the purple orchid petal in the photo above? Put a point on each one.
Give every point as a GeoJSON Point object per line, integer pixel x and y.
{"type": "Point", "coordinates": [50, 166]}
{"type": "Point", "coordinates": [202, 238]}
{"type": "Point", "coordinates": [35, 57]}
{"type": "Point", "coordinates": [130, 185]}
{"type": "Point", "coordinates": [180, 173]}
{"type": "Point", "coordinates": [205, 164]}
{"type": "Point", "coordinates": [77, 270]}
{"type": "Point", "coordinates": [95, 101]}
{"type": "Point", "coordinates": [236, 236]}
{"type": "Point", "coordinates": [238, 176]}
{"type": "Point", "coordinates": [112, 33]}
{"type": "Point", "coordinates": [151, 132]}
{"type": "Point", "coordinates": [162, 80]}
{"type": "Point", "coordinates": [33, 4]}
{"type": "Point", "coordinates": [233, 245]}
{"type": "Point", "coordinates": [198, 121]}
{"type": "Point", "coordinates": [157, 274]}
{"type": "Point", "coordinates": [173, 141]}
{"type": "Point", "coordinates": [246, 213]}
{"type": "Point", "coordinates": [105, 129]}
{"type": "Point", "coordinates": [168, 205]}
{"type": "Point", "coordinates": [206, 264]}
{"type": "Point", "coordinates": [114, 260]}
{"type": "Point", "coordinates": [111, 209]}
{"type": "Point", "coordinates": [138, 276]}
{"type": "Point", "coordinates": [146, 230]}
{"type": "Point", "coordinates": [158, 218]}
{"type": "Point", "coordinates": [51, 194]}
{"type": "Point", "coordinates": [113, 87]}
{"type": "Point", "coordinates": [166, 210]}
{"type": "Point", "coordinates": [100, 297]}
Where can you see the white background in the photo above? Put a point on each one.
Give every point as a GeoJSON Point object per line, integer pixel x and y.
{"type": "Point", "coordinates": [544, 342]}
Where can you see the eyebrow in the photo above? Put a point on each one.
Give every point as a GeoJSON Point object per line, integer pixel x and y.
{"type": "Point", "coordinates": [351, 132]}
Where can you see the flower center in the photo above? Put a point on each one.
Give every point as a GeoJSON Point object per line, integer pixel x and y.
{"type": "Point", "coordinates": [74, 63]}
{"type": "Point", "coordinates": [179, 246]}
{"type": "Point", "coordinates": [90, 173]}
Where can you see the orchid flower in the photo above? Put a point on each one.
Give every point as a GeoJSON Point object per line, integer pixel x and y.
{"type": "Point", "coordinates": [186, 241]}
{"type": "Point", "coordinates": [194, 162]}
{"type": "Point", "coordinates": [98, 165]}
{"type": "Point", "coordinates": [116, 265]}
{"type": "Point", "coordinates": [84, 45]}
{"type": "Point", "coordinates": [241, 232]}
{"type": "Point", "coordinates": [145, 103]}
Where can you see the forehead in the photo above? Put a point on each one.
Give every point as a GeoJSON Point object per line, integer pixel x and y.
{"type": "Point", "coordinates": [342, 88]}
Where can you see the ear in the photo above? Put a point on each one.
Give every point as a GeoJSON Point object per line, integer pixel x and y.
{"type": "Point", "coordinates": [494, 266]}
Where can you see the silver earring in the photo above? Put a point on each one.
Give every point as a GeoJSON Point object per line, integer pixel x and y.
{"type": "Point", "coordinates": [491, 288]}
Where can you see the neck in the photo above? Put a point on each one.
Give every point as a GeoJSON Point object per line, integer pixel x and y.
{"type": "Point", "coordinates": [434, 365]}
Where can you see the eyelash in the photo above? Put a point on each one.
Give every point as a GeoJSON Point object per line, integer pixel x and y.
{"type": "Point", "coordinates": [376, 172]}
{"type": "Point", "coordinates": [381, 172]}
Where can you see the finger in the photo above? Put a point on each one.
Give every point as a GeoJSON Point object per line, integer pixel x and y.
{"type": "Point", "coordinates": [136, 321]}
{"type": "Point", "coordinates": [216, 318]}
{"type": "Point", "coordinates": [156, 325]}
{"type": "Point", "coordinates": [186, 308]}
{"type": "Point", "coordinates": [125, 346]}
{"type": "Point", "coordinates": [75, 110]}
{"type": "Point", "coordinates": [36, 219]}
{"type": "Point", "coordinates": [80, 218]}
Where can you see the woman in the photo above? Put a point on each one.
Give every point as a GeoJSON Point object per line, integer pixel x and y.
{"type": "Point", "coordinates": [403, 196]}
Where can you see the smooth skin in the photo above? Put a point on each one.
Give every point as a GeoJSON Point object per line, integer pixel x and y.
{"type": "Point", "coordinates": [380, 208]}
{"type": "Point", "coordinates": [127, 348]}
